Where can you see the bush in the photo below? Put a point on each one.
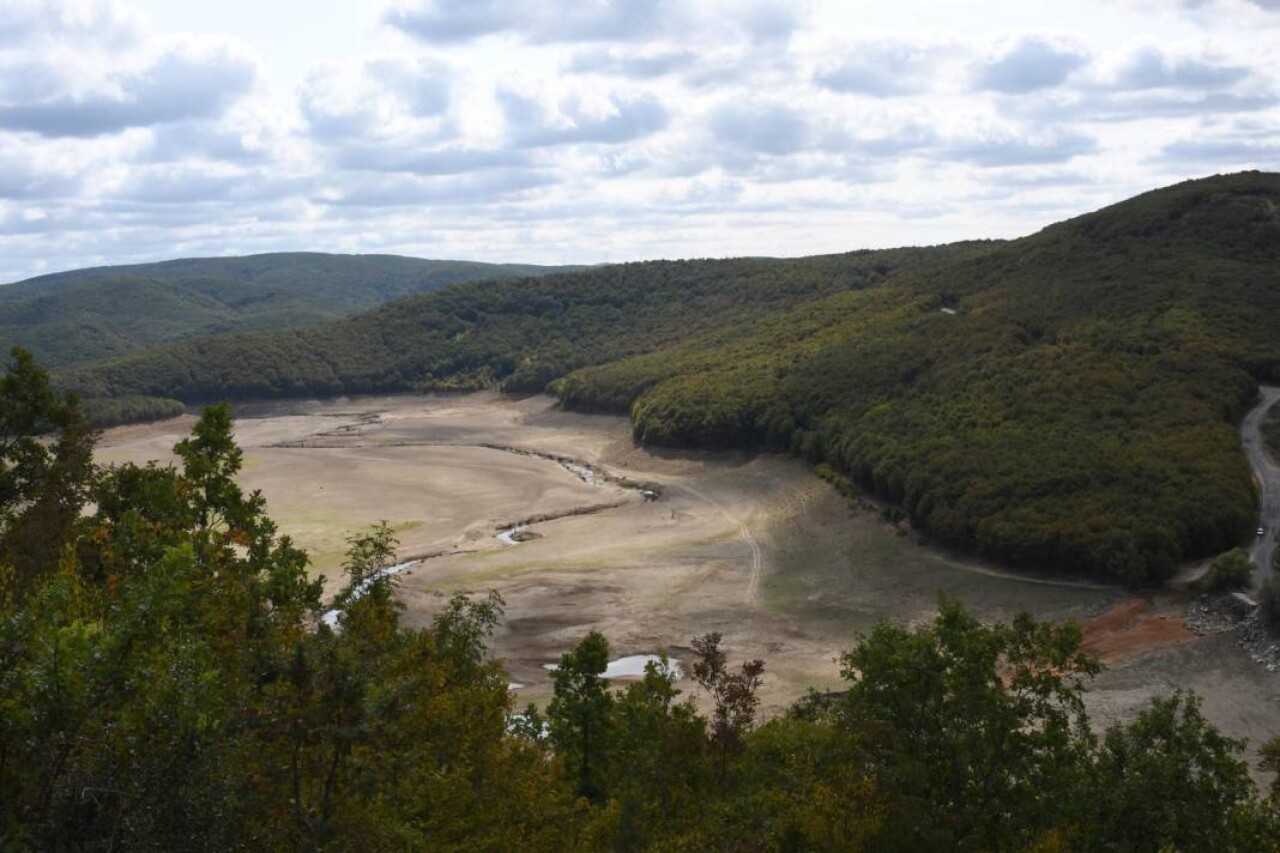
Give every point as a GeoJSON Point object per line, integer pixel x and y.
{"type": "Point", "coordinates": [1229, 571]}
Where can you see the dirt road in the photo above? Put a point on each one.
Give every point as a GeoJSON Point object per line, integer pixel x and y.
{"type": "Point", "coordinates": [1268, 474]}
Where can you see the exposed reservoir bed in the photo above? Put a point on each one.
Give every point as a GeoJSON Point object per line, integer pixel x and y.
{"type": "Point", "coordinates": [652, 548]}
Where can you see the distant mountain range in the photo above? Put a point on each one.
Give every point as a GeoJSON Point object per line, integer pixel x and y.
{"type": "Point", "coordinates": [96, 313]}
{"type": "Point", "coordinates": [1064, 401]}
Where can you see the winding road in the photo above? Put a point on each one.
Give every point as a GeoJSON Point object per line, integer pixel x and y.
{"type": "Point", "coordinates": [1268, 475]}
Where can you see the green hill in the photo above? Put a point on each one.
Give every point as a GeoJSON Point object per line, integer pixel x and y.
{"type": "Point", "coordinates": [1062, 401]}
{"type": "Point", "coordinates": [90, 314]}
{"type": "Point", "coordinates": [521, 333]}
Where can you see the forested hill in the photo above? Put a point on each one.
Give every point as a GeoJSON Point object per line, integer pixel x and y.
{"type": "Point", "coordinates": [89, 314]}
{"type": "Point", "coordinates": [521, 333]}
{"type": "Point", "coordinates": [1065, 400]}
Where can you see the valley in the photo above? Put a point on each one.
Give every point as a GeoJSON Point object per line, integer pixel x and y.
{"type": "Point", "coordinates": [748, 544]}
{"type": "Point", "coordinates": [640, 426]}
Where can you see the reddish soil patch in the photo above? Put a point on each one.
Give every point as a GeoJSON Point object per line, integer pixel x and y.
{"type": "Point", "coordinates": [1130, 630]}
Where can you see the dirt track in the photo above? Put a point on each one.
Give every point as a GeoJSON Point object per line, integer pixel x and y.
{"type": "Point", "coordinates": [752, 546]}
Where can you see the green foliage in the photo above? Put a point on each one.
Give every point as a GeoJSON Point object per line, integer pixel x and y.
{"type": "Point", "coordinates": [169, 686]}
{"type": "Point", "coordinates": [1229, 571]}
{"type": "Point", "coordinates": [46, 453]}
{"type": "Point", "coordinates": [657, 772]}
{"type": "Point", "coordinates": [971, 725]}
{"type": "Point", "coordinates": [1171, 782]}
{"type": "Point", "coordinates": [89, 314]}
{"type": "Point", "coordinates": [1075, 414]}
{"type": "Point", "coordinates": [103, 412]}
{"type": "Point", "coordinates": [733, 696]}
{"type": "Point", "coordinates": [1271, 762]}
{"type": "Point", "coordinates": [580, 714]}
{"type": "Point", "coordinates": [802, 784]}
{"type": "Point", "coordinates": [520, 334]}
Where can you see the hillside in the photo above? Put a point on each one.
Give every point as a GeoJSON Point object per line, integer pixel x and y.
{"type": "Point", "coordinates": [89, 314]}
{"type": "Point", "coordinates": [1062, 401]}
{"type": "Point", "coordinates": [522, 333]}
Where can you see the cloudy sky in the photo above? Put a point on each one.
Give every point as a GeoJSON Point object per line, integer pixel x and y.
{"type": "Point", "coordinates": [605, 130]}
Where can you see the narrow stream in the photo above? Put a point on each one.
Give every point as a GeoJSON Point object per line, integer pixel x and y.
{"type": "Point", "coordinates": [332, 618]}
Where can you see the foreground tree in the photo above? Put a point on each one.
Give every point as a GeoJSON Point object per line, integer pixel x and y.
{"type": "Point", "coordinates": [659, 772]}
{"type": "Point", "coordinates": [733, 696]}
{"type": "Point", "coordinates": [1271, 763]}
{"type": "Point", "coordinates": [579, 715]}
{"type": "Point", "coordinates": [979, 731]}
{"type": "Point", "coordinates": [169, 684]}
{"type": "Point", "coordinates": [46, 457]}
{"type": "Point", "coordinates": [1171, 781]}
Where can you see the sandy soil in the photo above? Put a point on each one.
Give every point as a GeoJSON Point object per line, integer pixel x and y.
{"type": "Point", "coordinates": [752, 546]}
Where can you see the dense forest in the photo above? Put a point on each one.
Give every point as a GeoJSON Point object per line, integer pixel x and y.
{"type": "Point", "coordinates": [89, 314]}
{"type": "Point", "coordinates": [1063, 401]}
{"type": "Point", "coordinates": [103, 412]}
{"type": "Point", "coordinates": [170, 678]}
{"type": "Point", "coordinates": [520, 333]}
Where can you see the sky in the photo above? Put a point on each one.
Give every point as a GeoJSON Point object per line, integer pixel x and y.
{"type": "Point", "coordinates": [606, 130]}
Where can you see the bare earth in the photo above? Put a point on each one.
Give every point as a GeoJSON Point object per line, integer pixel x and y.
{"type": "Point", "coordinates": [752, 546]}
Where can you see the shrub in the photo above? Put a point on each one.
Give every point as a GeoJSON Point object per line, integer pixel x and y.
{"type": "Point", "coordinates": [1232, 570]}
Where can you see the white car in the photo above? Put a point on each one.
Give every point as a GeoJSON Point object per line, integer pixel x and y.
{"type": "Point", "coordinates": [1262, 531]}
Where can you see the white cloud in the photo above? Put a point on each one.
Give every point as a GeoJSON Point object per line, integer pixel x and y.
{"type": "Point", "coordinates": [374, 98]}
{"type": "Point", "coordinates": [30, 23]}
{"type": "Point", "coordinates": [182, 83]}
{"type": "Point", "coordinates": [762, 127]}
{"type": "Point", "coordinates": [1150, 67]}
{"type": "Point", "coordinates": [1030, 63]}
{"type": "Point", "coordinates": [1007, 149]}
{"type": "Point", "coordinates": [443, 22]}
{"type": "Point", "coordinates": [552, 130]}
{"type": "Point", "coordinates": [613, 119]}
{"type": "Point", "coordinates": [882, 69]}
{"type": "Point", "coordinates": [642, 65]}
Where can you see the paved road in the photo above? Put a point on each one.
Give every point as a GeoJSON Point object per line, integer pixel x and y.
{"type": "Point", "coordinates": [1268, 474]}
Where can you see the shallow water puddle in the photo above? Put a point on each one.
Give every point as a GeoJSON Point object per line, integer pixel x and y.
{"type": "Point", "coordinates": [631, 666]}
{"type": "Point", "coordinates": [510, 536]}
{"type": "Point", "coordinates": [584, 472]}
